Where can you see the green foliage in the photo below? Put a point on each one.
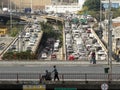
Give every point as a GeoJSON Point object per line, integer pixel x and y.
{"type": "Point", "coordinates": [13, 32]}
{"type": "Point", "coordinates": [116, 12]}
{"type": "Point", "coordinates": [16, 28]}
{"type": "Point", "coordinates": [93, 5]}
{"type": "Point", "coordinates": [27, 55]}
{"type": "Point", "coordinates": [49, 32]}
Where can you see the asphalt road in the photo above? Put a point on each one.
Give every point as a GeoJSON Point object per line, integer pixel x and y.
{"type": "Point", "coordinates": [61, 68]}
{"type": "Point", "coordinates": [68, 72]}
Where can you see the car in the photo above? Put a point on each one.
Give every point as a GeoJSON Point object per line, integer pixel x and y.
{"type": "Point", "coordinates": [103, 57]}
{"type": "Point", "coordinates": [29, 48]}
{"type": "Point", "coordinates": [44, 56]}
{"type": "Point", "coordinates": [27, 39]}
{"type": "Point", "coordinates": [53, 56]}
{"type": "Point", "coordinates": [88, 30]}
{"type": "Point", "coordinates": [13, 46]}
{"type": "Point", "coordinates": [31, 43]}
{"type": "Point", "coordinates": [2, 46]}
{"type": "Point", "coordinates": [31, 30]}
{"type": "Point", "coordinates": [37, 30]}
{"type": "Point", "coordinates": [27, 35]}
{"type": "Point", "coordinates": [82, 57]}
{"type": "Point", "coordinates": [101, 52]}
{"type": "Point", "coordinates": [32, 40]}
{"type": "Point", "coordinates": [35, 35]}
{"type": "Point", "coordinates": [76, 55]}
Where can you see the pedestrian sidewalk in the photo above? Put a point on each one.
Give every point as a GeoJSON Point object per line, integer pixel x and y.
{"type": "Point", "coordinates": [55, 63]}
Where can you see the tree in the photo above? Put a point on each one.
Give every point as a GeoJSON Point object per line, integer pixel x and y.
{"type": "Point", "coordinates": [93, 5]}
{"type": "Point", "coordinates": [84, 9]}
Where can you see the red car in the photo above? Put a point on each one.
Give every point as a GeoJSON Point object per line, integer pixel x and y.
{"type": "Point", "coordinates": [53, 56]}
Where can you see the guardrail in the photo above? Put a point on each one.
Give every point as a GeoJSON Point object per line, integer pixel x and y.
{"type": "Point", "coordinates": [15, 39]}
{"type": "Point", "coordinates": [99, 41]}
{"type": "Point", "coordinates": [55, 18]}
{"type": "Point", "coordinates": [16, 77]}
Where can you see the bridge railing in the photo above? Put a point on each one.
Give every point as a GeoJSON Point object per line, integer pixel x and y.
{"type": "Point", "coordinates": [63, 77]}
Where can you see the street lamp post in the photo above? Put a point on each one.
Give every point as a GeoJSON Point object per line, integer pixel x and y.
{"type": "Point", "coordinates": [100, 13]}
{"type": "Point", "coordinates": [10, 15]}
{"type": "Point", "coordinates": [31, 6]}
{"type": "Point", "coordinates": [110, 40]}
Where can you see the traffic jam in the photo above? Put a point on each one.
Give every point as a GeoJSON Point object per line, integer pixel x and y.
{"type": "Point", "coordinates": [80, 41]}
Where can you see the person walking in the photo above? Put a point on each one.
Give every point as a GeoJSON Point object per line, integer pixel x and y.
{"type": "Point", "coordinates": [55, 73]}
{"type": "Point", "coordinates": [90, 57]}
{"type": "Point", "coordinates": [94, 57]}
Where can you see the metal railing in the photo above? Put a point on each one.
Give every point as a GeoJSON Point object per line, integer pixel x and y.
{"type": "Point", "coordinates": [63, 77]}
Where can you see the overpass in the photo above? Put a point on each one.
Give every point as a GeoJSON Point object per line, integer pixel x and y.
{"type": "Point", "coordinates": [53, 18]}
{"type": "Point", "coordinates": [5, 17]}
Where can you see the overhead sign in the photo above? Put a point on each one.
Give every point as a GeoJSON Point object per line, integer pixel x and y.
{"type": "Point", "coordinates": [104, 86]}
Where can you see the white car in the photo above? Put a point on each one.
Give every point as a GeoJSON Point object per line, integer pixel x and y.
{"type": "Point", "coordinates": [31, 43]}
{"type": "Point", "coordinates": [44, 56]}
{"type": "Point", "coordinates": [37, 30]}
{"type": "Point", "coordinates": [76, 55]}
{"type": "Point", "coordinates": [103, 57]}
{"type": "Point", "coordinates": [27, 35]}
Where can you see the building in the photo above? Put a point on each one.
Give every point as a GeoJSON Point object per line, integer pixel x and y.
{"type": "Point", "coordinates": [63, 6]}
{"type": "Point", "coordinates": [41, 4]}
{"type": "Point", "coordinates": [64, 2]}
{"type": "Point", "coordinates": [114, 3]}
{"type": "Point", "coordinates": [35, 4]}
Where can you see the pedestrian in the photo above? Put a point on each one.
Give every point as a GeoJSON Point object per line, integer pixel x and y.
{"type": "Point", "coordinates": [90, 57]}
{"type": "Point", "coordinates": [93, 57]}
{"type": "Point", "coordinates": [55, 73]}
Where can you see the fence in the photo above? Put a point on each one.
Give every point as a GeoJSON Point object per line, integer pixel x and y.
{"type": "Point", "coordinates": [63, 77]}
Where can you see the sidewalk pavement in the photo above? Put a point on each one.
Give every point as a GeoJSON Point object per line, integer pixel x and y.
{"type": "Point", "coordinates": [60, 62]}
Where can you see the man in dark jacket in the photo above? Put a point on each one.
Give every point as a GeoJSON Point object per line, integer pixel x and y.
{"type": "Point", "coordinates": [55, 73]}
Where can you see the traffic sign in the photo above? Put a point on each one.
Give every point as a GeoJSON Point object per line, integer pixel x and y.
{"type": "Point", "coordinates": [104, 86]}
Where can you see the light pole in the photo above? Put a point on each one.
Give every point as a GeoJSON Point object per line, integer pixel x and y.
{"type": "Point", "coordinates": [100, 12]}
{"type": "Point", "coordinates": [31, 6]}
{"type": "Point", "coordinates": [110, 40]}
{"type": "Point", "coordinates": [10, 15]}
{"type": "Point", "coordinates": [110, 37]}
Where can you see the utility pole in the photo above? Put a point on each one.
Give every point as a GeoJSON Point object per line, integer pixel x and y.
{"type": "Point", "coordinates": [100, 25]}
{"type": "Point", "coordinates": [110, 39]}
{"type": "Point", "coordinates": [100, 12]}
{"type": "Point", "coordinates": [31, 6]}
{"type": "Point", "coordinates": [2, 5]}
{"type": "Point", "coordinates": [10, 15]}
